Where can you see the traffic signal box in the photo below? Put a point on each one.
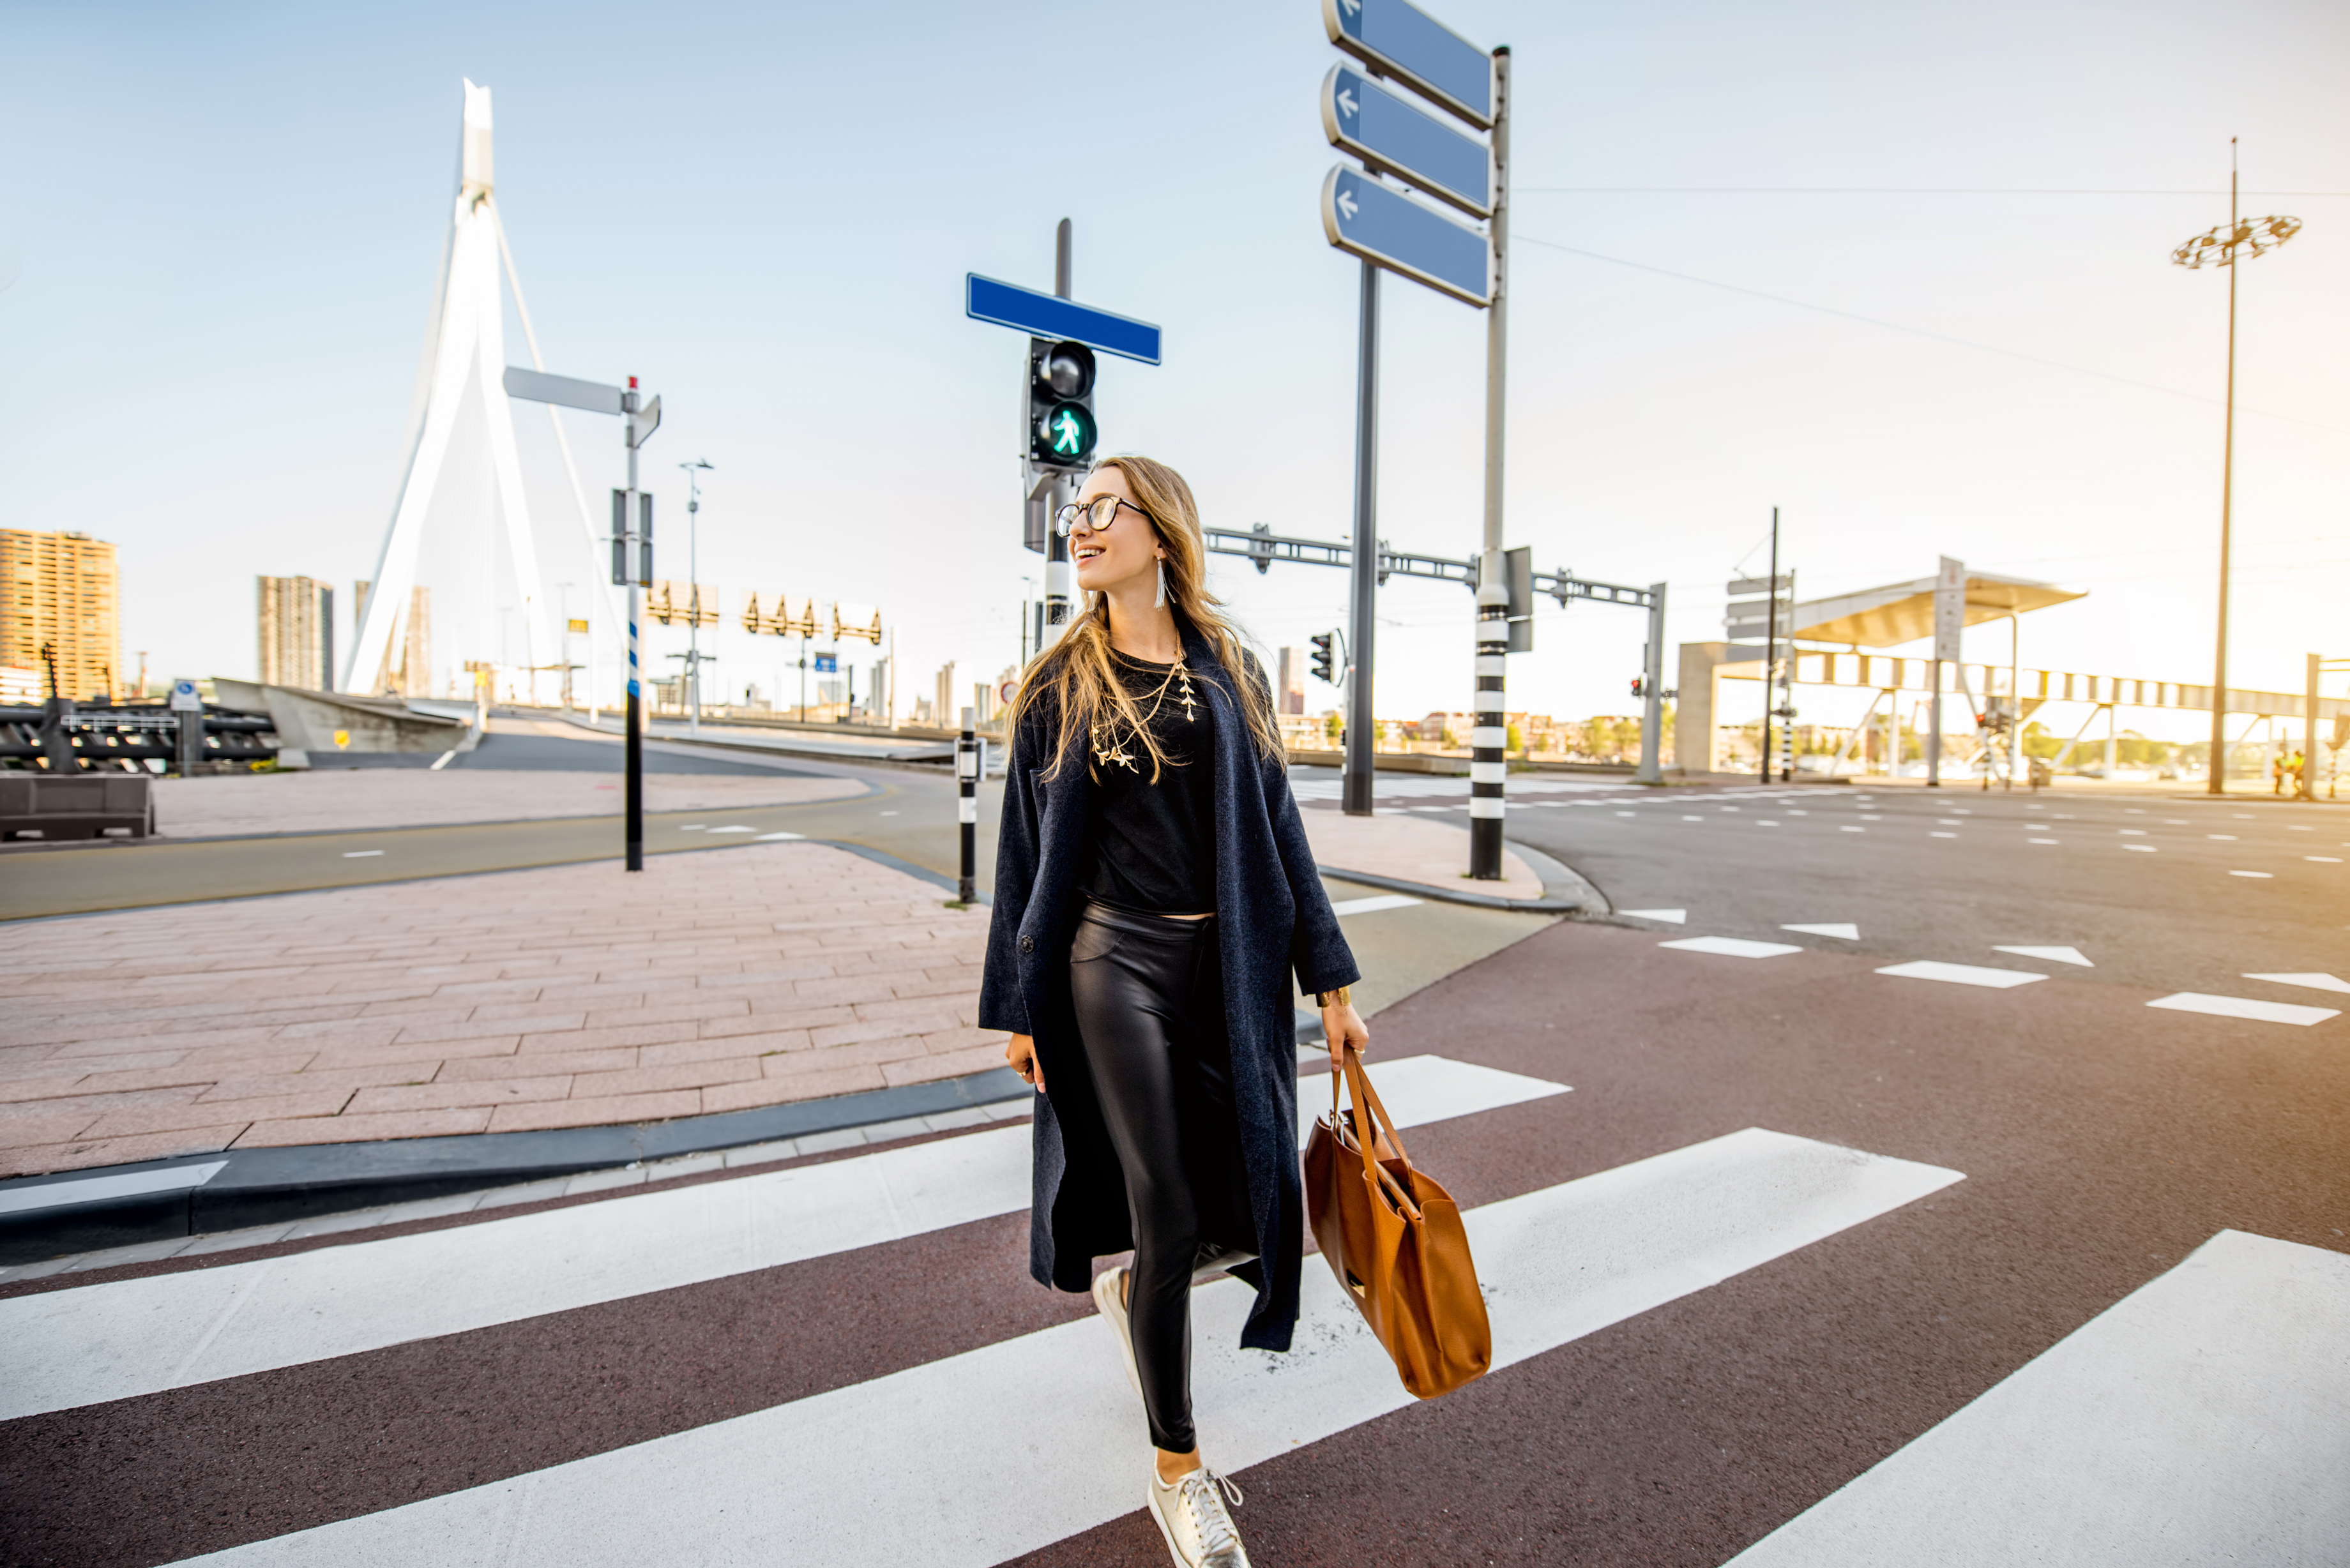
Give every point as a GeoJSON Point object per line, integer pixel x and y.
{"type": "Point", "coordinates": [1324, 666]}
{"type": "Point", "coordinates": [1062, 430]}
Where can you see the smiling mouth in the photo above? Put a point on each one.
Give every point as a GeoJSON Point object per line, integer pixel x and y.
{"type": "Point", "coordinates": [1085, 552]}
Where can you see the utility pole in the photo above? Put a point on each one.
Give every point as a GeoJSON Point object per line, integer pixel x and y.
{"type": "Point", "coordinates": [693, 472]}
{"type": "Point", "coordinates": [1061, 488]}
{"type": "Point", "coordinates": [1489, 742]}
{"type": "Point", "coordinates": [1771, 649]}
{"type": "Point", "coordinates": [1355, 787]}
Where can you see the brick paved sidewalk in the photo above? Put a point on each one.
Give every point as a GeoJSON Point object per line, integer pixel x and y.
{"type": "Point", "coordinates": [572, 996]}
{"type": "Point", "coordinates": [347, 799]}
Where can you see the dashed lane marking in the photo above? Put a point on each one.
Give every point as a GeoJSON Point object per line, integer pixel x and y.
{"type": "Point", "coordinates": [828, 1479]}
{"type": "Point", "coordinates": [2042, 841]}
{"type": "Point", "coordinates": [2262, 876]}
{"type": "Point", "coordinates": [734, 829]}
{"type": "Point", "coordinates": [774, 837]}
{"type": "Point", "coordinates": [1961, 974]}
{"type": "Point", "coordinates": [1670, 916]}
{"type": "Point", "coordinates": [2143, 848]}
{"type": "Point", "coordinates": [2313, 982]}
{"type": "Point", "coordinates": [1850, 933]}
{"type": "Point", "coordinates": [1941, 836]}
{"type": "Point", "coordinates": [2048, 954]}
{"type": "Point", "coordinates": [2324, 859]}
{"type": "Point", "coordinates": [2245, 1007]}
{"type": "Point", "coordinates": [360, 853]}
{"type": "Point", "coordinates": [1848, 827]}
{"type": "Point", "coordinates": [1732, 947]}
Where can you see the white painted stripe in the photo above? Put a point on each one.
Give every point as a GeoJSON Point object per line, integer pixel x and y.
{"type": "Point", "coordinates": [1489, 735]}
{"type": "Point", "coordinates": [772, 837]}
{"type": "Point", "coordinates": [967, 809]}
{"type": "Point", "coordinates": [2199, 1419]}
{"type": "Point", "coordinates": [1493, 664]}
{"type": "Point", "coordinates": [2245, 1007]}
{"type": "Point", "coordinates": [1848, 932]}
{"type": "Point", "coordinates": [1962, 973]}
{"type": "Point", "coordinates": [1373, 906]}
{"type": "Point", "coordinates": [1671, 917]}
{"type": "Point", "coordinates": [2263, 876]}
{"type": "Point", "coordinates": [734, 829]}
{"type": "Point", "coordinates": [1013, 1446]}
{"type": "Point", "coordinates": [360, 854]}
{"type": "Point", "coordinates": [2315, 981]}
{"type": "Point", "coordinates": [92, 1189]}
{"type": "Point", "coordinates": [1732, 947]}
{"type": "Point", "coordinates": [1489, 773]}
{"type": "Point", "coordinates": [126, 1337]}
{"type": "Point", "coordinates": [442, 761]}
{"type": "Point", "coordinates": [1491, 701]}
{"type": "Point", "coordinates": [2053, 955]}
{"type": "Point", "coordinates": [1487, 808]}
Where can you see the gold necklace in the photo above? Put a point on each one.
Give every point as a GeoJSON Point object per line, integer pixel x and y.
{"type": "Point", "coordinates": [1109, 748]}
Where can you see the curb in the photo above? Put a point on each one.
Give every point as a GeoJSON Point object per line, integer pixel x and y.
{"type": "Point", "coordinates": [1564, 891]}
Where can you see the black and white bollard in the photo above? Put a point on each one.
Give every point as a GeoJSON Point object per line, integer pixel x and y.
{"type": "Point", "coordinates": [967, 763]}
{"type": "Point", "coordinates": [1489, 742]}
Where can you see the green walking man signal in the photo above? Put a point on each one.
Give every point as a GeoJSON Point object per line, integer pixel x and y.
{"type": "Point", "coordinates": [1062, 430]}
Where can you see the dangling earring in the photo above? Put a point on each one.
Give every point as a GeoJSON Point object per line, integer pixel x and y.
{"type": "Point", "coordinates": [1160, 602]}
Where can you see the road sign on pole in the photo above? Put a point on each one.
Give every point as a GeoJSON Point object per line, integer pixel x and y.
{"type": "Point", "coordinates": [1046, 316]}
{"type": "Point", "coordinates": [1398, 39]}
{"type": "Point", "coordinates": [1387, 133]}
{"type": "Point", "coordinates": [1388, 229]}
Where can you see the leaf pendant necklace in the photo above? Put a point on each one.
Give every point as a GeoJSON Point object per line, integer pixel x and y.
{"type": "Point", "coordinates": [1109, 748]}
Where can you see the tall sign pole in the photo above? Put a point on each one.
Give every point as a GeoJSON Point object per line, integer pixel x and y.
{"type": "Point", "coordinates": [1354, 786]}
{"type": "Point", "coordinates": [1415, 141]}
{"type": "Point", "coordinates": [632, 550]}
{"type": "Point", "coordinates": [1489, 753]}
{"type": "Point", "coordinates": [1060, 486]}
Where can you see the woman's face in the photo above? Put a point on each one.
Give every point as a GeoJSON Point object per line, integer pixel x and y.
{"type": "Point", "coordinates": [1111, 557]}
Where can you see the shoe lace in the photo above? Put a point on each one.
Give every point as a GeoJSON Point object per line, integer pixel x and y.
{"type": "Point", "coordinates": [1218, 1533]}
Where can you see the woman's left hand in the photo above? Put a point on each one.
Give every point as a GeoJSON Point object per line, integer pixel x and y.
{"type": "Point", "coordinates": [1343, 1026]}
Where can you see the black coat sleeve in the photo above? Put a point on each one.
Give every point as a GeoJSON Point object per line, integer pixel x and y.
{"type": "Point", "coordinates": [1318, 948]}
{"type": "Point", "coordinates": [1002, 1004]}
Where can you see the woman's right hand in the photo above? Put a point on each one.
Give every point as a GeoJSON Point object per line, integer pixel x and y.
{"type": "Point", "coordinates": [1022, 1054]}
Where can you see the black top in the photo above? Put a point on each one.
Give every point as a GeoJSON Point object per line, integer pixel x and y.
{"type": "Point", "coordinates": [1152, 847]}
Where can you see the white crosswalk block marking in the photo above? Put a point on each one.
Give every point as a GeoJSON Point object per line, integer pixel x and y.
{"type": "Point", "coordinates": [1960, 974]}
{"type": "Point", "coordinates": [1048, 1421]}
{"type": "Point", "coordinates": [1372, 906]}
{"type": "Point", "coordinates": [2205, 1417]}
{"type": "Point", "coordinates": [2245, 1007]}
{"type": "Point", "coordinates": [770, 837]}
{"type": "Point", "coordinates": [1850, 933]}
{"type": "Point", "coordinates": [2315, 981]}
{"type": "Point", "coordinates": [1670, 917]}
{"type": "Point", "coordinates": [126, 1337]}
{"type": "Point", "coordinates": [1732, 947]}
{"type": "Point", "coordinates": [2051, 955]}
{"type": "Point", "coordinates": [734, 829]}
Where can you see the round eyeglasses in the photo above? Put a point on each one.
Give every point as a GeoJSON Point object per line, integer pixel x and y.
{"type": "Point", "coordinates": [1097, 514]}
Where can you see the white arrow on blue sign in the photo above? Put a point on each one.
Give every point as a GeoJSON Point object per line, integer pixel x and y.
{"type": "Point", "coordinates": [1383, 227]}
{"type": "Point", "coordinates": [1398, 39]}
{"type": "Point", "coordinates": [1049, 316]}
{"type": "Point", "coordinates": [1384, 131]}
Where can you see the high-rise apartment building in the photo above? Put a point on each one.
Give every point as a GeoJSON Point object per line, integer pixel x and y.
{"type": "Point", "coordinates": [1289, 695]}
{"type": "Point", "coordinates": [411, 674]}
{"type": "Point", "coordinates": [60, 591]}
{"type": "Point", "coordinates": [297, 623]}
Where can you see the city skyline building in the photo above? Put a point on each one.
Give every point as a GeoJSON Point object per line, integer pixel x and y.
{"type": "Point", "coordinates": [295, 630]}
{"type": "Point", "coordinates": [61, 591]}
{"type": "Point", "coordinates": [409, 670]}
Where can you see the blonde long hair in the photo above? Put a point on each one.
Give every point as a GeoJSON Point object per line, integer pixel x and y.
{"type": "Point", "coordinates": [1076, 678]}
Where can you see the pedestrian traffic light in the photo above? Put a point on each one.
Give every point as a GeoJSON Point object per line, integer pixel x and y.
{"type": "Point", "coordinates": [1062, 431]}
{"type": "Point", "coordinates": [1324, 663]}
{"type": "Point", "coordinates": [1639, 685]}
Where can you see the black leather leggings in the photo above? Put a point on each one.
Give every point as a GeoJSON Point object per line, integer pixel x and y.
{"type": "Point", "coordinates": [1149, 998]}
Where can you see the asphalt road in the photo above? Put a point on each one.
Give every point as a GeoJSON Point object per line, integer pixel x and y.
{"type": "Point", "coordinates": [2087, 1142]}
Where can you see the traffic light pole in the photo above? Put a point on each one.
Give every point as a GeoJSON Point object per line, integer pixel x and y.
{"type": "Point", "coordinates": [1489, 741]}
{"type": "Point", "coordinates": [1354, 791]}
{"type": "Point", "coordinates": [1652, 694]}
{"type": "Point", "coordinates": [1060, 586]}
{"type": "Point", "coordinates": [633, 746]}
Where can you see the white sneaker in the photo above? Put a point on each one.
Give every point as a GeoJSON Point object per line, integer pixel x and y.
{"type": "Point", "coordinates": [1192, 1516]}
{"type": "Point", "coordinates": [1109, 1288]}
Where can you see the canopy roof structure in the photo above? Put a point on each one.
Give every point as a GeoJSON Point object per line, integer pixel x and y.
{"type": "Point", "coordinates": [1904, 612]}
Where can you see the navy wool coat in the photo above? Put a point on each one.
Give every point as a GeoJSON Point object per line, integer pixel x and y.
{"type": "Point", "coordinates": [1272, 920]}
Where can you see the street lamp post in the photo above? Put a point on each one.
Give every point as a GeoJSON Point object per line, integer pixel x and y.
{"type": "Point", "coordinates": [2219, 248]}
{"type": "Point", "coordinates": [693, 472]}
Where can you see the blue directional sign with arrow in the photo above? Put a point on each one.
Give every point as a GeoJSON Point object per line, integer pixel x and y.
{"type": "Point", "coordinates": [1364, 217]}
{"type": "Point", "coordinates": [1363, 118]}
{"type": "Point", "coordinates": [1398, 39]}
{"type": "Point", "coordinates": [1048, 316]}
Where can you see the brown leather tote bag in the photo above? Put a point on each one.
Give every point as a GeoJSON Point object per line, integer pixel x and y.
{"type": "Point", "coordinates": [1393, 1236]}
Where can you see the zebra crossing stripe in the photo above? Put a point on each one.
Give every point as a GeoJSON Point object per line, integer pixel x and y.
{"type": "Point", "coordinates": [2205, 1417]}
{"type": "Point", "coordinates": [123, 1338]}
{"type": "Point", "coordinates": [981, 1457]}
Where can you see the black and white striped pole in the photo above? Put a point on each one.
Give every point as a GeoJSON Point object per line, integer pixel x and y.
{"type": "Point", "coordinates": [967, 756]}
{"type": "Point", "coordinates": [1489, 742]}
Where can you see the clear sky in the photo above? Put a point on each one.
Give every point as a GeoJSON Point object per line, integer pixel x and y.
{"type": "Point", "coordinates": [224, 220]}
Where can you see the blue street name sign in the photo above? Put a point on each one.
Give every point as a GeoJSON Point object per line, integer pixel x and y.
{"type": "Point", "coordinates": [1047, 316]}
{"type": "Point", "coordinates": [1361, 215]}
{"type": "Point", "coordinates": [1363, 118]}
{"type": "Point", "coordinates": [827, 664]}
{"type": "Point", "coordinates": [1398, 39]}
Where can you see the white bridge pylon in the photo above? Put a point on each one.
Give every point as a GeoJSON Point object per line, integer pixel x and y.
{"type": "Point", "coordinates": [465, 341]}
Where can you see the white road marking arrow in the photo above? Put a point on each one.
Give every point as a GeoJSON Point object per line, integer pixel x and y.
{"type": "Point", "coordinates": [1347, 205]}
